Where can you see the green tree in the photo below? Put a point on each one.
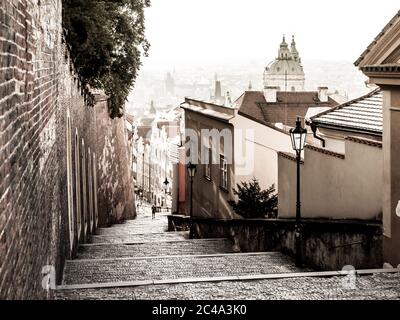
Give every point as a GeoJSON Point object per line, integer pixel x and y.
{"type": "Point", "coordinates": [254, 202]}
{"type": "Point", "coordinates": [107, 41]}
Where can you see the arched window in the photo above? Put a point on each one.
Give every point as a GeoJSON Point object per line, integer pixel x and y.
{"type": "Point", "coordinates": [71, 220]}
{"type": "Point", "coordinates": [78, 187]}
{"type": "Point", "coordinates": [84, 191]}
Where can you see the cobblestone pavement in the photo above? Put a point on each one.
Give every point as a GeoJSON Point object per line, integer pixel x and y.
{"type": "Point", "coordinates": [213, 246]}
{"type": "Point", "coordinates": [142, 250]}
{"type": "Point", "coordinates": [379, 286]}
{"type": "Point", "coordinates": [126, 237]}
{"type": "Point", "coordinates": [95, 271]}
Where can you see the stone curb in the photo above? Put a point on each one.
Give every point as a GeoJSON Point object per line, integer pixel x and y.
{"type": "Point", "coordinates": [177, 256]}
{"type": "Point", "coordinates": [122, 284]}
{"type": "Point", "coordinates": [145, 242]}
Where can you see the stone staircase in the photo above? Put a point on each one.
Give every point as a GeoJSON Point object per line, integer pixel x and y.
{"type": "Point", "coordinates": [141, 252]}
{"type": "Point", "coordinates": [141, 260]}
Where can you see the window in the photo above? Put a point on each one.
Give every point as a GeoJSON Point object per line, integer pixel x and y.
{"type": "Point", "coordinates": [207, 165]}
{"type": "Point", "coordinates": [223, 173]}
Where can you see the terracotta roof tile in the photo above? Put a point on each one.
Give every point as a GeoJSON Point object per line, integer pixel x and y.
{"type": "Point", "coordinates": [144, 131]}
{"type": "Point", "coordinates": [325, 151]}
{"type": "Point", "coordinates": [289, 156]}
{"type": "Point", "coordinates": [288, 107]}
{"type": "Point", "coordinates": [368, 142]}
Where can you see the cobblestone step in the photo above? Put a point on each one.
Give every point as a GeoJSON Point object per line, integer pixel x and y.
{"type": "Point", "coordinates": [142, 224]}
{"type": "Point", "coordinates": [150, 249]}
{"type": "Point", "coordinates": [371, 287]}
{"type": "Point", "coordinates": [127, 237]}
{"type": "Point", "coordinates": [125, 231]}
{"type": "Point", "coordinates": [99, 271]}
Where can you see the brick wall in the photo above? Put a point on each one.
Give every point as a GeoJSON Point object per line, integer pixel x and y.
{"type": "Point", "coordinates": [49, 177]}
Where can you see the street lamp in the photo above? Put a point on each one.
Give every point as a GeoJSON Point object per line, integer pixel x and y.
{"type": "Point", "coordinates": [298, 137]}
{"type": "Point", "coordinates": [165, 184]}
{"type": "Point", "coordinates": [192, 172]}
{"type": "Point", "coordinates": [165, 187]}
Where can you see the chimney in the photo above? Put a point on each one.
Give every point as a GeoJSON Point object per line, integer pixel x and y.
{"type": "Point", "coordinates": [323, 94]}
{"type": "Point", "coordinates": [270, 93]}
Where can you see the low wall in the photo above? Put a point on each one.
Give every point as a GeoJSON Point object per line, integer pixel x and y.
{"type": "Point", "coordinates": [334, 185]}
{"type": "Point", "coordinates": [327, 244]}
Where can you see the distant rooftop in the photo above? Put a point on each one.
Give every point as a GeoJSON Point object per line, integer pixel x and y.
{"type": "Point", "coordinates": [285, 110]}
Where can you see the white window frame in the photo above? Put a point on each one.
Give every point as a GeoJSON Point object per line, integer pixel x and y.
{"type": "Point", "coordinates": [223, 169]}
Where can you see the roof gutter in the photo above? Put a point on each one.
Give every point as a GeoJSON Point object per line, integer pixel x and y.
{"type": "Point", "coordinates": [350, 130]}
{"type": "Point", "coordinates": [313, 126]}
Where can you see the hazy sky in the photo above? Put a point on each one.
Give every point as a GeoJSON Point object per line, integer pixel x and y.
{"type": "Point", "coordinates": [196, 32]}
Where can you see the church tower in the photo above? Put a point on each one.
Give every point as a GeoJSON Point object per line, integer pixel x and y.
{"type": "Point", "coordinates": [285, 73]}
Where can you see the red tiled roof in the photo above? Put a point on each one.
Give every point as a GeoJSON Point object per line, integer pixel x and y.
{"type": "Point", "coordinates": [288, 107]}
{"type": "Point", "coordinates": [166, 123]}
{"type": "Point", "coordinates": [144, 131]}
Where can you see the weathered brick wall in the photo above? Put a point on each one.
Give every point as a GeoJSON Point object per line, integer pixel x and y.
{"type": "Point", "coordinates": [30, 204]}
{"type": "Point", "coordinates": [115, 192]}
{"type": "Point", "coordinates": [49, 177]}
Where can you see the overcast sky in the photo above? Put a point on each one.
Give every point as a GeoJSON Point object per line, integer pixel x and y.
{"type": "Point", "coordinates": [198, 32]}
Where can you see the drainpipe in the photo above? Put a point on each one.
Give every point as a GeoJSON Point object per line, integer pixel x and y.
{"type": "Point", "coordinates": [314, 130]}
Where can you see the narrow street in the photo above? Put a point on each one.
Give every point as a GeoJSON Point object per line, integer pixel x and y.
{"type": "Point", "coordinates": [140, 260]}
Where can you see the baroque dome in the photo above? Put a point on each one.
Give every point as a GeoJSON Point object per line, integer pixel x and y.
{"type": "Point", "coordinates": [286, 71]}
{"type": "Point", "coordinates": [285, 66]}
{"type": "Point", "coordinates": [288, 61]}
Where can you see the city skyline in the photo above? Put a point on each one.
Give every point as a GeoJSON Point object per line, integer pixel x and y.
{"type": "Point", "coordinates": [242, 50]}
{"type": "Point", "coordinates": [231, 32]}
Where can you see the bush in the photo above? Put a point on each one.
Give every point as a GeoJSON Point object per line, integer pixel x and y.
{"type": "Point", "coordinates": [254, 202]}
{"type": "Point", "coordinates": [107, 40]}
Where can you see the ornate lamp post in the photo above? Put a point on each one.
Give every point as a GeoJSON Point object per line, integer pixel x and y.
{"type": "Point", "coordinates": [191, 172]}
{"type": "Point", "coordinates": [298, 137]}
{"type": "Point", "coordinates": [165, 187]}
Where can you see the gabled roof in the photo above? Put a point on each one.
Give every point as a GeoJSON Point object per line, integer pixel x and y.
{"type": "Point", "coordinates": [384, 50]}
{"type": "Point", "coordinates": [209, 109]}
{"type": "Point", "coordinates": [362, 115]}
{"type": "Point", "coordinates": [288, 107]}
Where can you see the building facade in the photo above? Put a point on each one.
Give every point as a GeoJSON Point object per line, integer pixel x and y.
{"type": "Point", "coordinates": [381, 63]}
{"type": "Point", "coordinates": [156, 148]}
